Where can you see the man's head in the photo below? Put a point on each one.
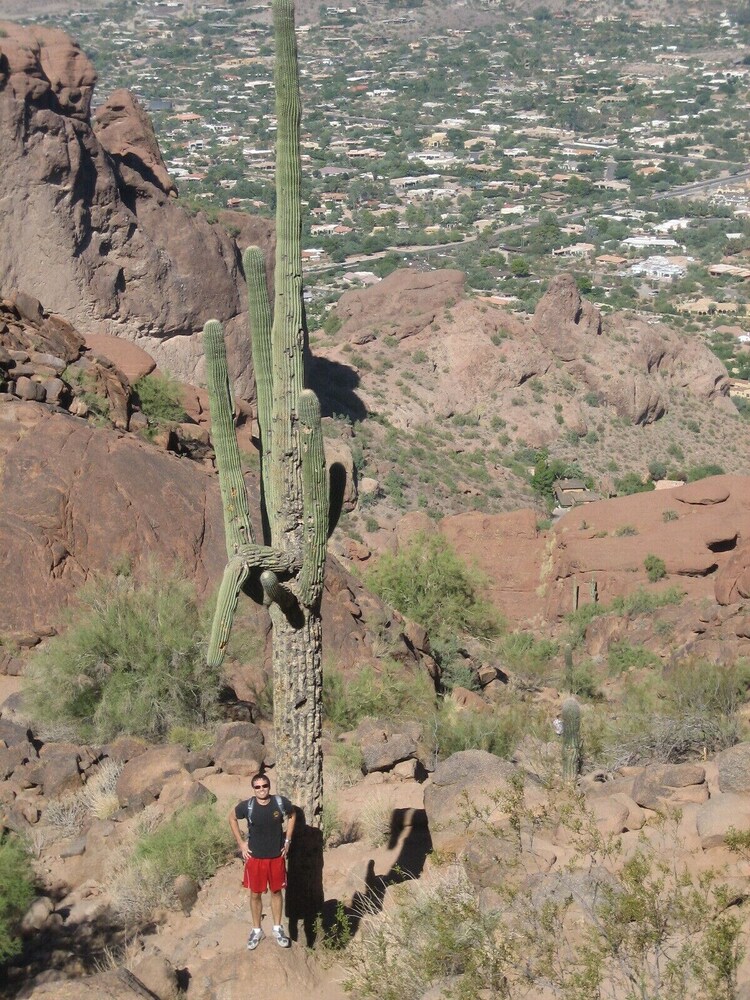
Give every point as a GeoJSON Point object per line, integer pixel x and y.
{"type": "Point", "coordinates": [261, 786]}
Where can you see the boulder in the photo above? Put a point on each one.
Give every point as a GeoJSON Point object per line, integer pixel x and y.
{"type": "Point", "coordinates": [610, 814]}
{"type": "Point", "coordinates": [734, 769]}
{"type": "Point", "coordinates": [468, 782]}
{"type": "Point", "coordinates": [182, 791]}
{"type": "Point", "coordinates": [37, 914]}
{"type": "Point", "coordinates": [157, 974]}
{"type": "Point", "coordinates": [720, 814]}
{"type": "Point", "coordinates": [60, 771]}
{"type": "Point", "coordinates": [143, 778]}
{"type": "Point", "coordinates": [663, 786]}
{"type": "Point", "coordinates": [239, 748]}
{"type": "Point", "coordinates": [130, 359]}
{"type": "Point", "coordinates": [382, 755]}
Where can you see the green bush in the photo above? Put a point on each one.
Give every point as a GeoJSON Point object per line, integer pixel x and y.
{"type": "Point", "coordinates": [132, 661]}
{"type": "Point", "coordinates": [160, 398]}
{"type": "Point", "coordinates": [16, 894]}
{"type": "Point", "coordinates": [632, 483]}
{"type": "Point", "coordinates": [529, 656]}
{"type": "Point", "coordinates": [426, 581]}
{"type": "Point", "coordinates": [392, 692]}
{"type": "Point", "coordinates": [622, 656]}
{"type": "Point", "coordinates": [194, 842]}
{"type": "Point", "coordinates": [655, 567]}
{"type": "Point", "coordinates": [450, 731]}
{"type": "Point", "coordinates": [696, 472]}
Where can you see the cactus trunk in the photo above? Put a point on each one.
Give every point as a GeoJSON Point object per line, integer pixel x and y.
{"type": "Point", "coordinates": [291, 562]}
{"type": "Point", "coordinates": [571, 739]}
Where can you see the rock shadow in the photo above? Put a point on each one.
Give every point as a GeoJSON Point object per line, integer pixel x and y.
{"type": "Point", "coordinates": [335, 385]}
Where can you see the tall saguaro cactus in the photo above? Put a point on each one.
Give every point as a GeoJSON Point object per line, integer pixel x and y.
{"type": "Point", "coordinates": [291, 561]}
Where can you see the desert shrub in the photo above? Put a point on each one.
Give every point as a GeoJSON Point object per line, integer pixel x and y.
{"type": "Point", "coordinates": [686, 713]}
{"type": "Point", "coordinates": [195, 841]}
{"type": "Point", "coordinates": [657, 470]}
{"type": "Point", "coordinates": [623, 656]}
{"type": "Point", "coordinates": [529, 657]}
{"type": "Point", "coordinates": [639, 602]}
{"type": "Point", "coordinates": [631, 483]}
{"type": "Point", "coordinates": [450, 730]}
{"type": "Point", "coordinates": [391, 692]}
{"type": "Point", "coordinates": [642, 601]}
{"type": "Point", "coordinates": [656, 568]}
{"type": "Point", "coordinates": [651, 929]}
{"type": "Point", "coordinates": [97, 798]}
{"type": "Point", "coordinates": [699, 686]}
{"type": "Point", "coordinates": [426, 581]}
{"type": "Point", "coordinates": [696, 472]}
{"type": "Point", "coordinates": [626, 531]}
{"type": "Point", "coordinates": [584, 682]}
{"type": "Point", "coordinates": [434, 931]}
{"type": "Point", "coordinates": [131, 662]}
{"type": "Point", "coordinates": [16, 894]}
{"type": "Point", "coordinates": [669, 515]}
{"type": "Point", "coordinates": [160, 398]}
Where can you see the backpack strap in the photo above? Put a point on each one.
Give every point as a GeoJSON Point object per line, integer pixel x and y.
{"type": "Point", "coordinates": [251, 806]}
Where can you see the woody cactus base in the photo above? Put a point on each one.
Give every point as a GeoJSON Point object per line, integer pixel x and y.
{"type": "Point", "coordinates": [291, 560]}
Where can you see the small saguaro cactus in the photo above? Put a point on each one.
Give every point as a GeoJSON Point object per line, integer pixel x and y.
{"type": "Point", "coordinates": [569, 668]}
{"type": "Point", "coordinates": [571, 739]}
{"type": "Point", "coordinates": [291, 561]}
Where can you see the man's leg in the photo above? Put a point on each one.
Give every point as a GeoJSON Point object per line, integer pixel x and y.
{"type": "Point", "coordinates": [276, 907]}
{"type": "Point", "coordinates": [256, 908]}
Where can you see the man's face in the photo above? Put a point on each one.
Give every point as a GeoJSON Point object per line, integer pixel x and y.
{"type": "Point", "coordinates": [262, 789]}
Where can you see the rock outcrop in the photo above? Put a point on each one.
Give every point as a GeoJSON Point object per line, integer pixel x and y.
{"type": "Point", "coordinates": [89, 221]}
{"type": "Point", "coordinates": [477, 357]}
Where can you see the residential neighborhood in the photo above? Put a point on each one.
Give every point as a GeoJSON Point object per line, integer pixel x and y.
{"type": "Point", "coordinates": [608, 144]}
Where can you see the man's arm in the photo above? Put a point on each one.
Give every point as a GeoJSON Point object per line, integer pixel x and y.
{"type": "Point", "coordinates": [241, 843]}
{"type": "Point", "coordinates": [289, 831]}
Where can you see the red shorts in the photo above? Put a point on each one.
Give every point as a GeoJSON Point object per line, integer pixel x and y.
{"type": "Point", "coordinates": [265, 873]}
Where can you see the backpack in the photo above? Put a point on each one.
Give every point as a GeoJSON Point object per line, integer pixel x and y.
{"type": "Point", "coordinates": [251, 806]}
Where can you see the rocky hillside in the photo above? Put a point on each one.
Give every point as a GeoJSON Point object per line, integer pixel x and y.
{"type": "Point", "coordinates": [90, 222]}
{"type": "Point", "coordinates": [448, 398]}
{"type": "Point", "coordinates": [90, 484]}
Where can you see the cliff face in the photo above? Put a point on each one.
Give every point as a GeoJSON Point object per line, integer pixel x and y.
{"type": "Point", "coordinates": [89, 222]}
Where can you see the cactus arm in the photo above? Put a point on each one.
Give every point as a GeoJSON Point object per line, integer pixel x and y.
{"type": "Point", "coordinates": [314, 498]}
{"type": "Point", "coordinates": [237, 523]}
{"type": "Point", "coordinates": [288, 319]}
{"type": "Point", "coordinates": [274, 592]}
{"type": "Point", "coordinates": [259, 310]}
{"type": "Point", "coordinates": [235, 574]}
{"type": "Point", "coordinates": [571, 739]}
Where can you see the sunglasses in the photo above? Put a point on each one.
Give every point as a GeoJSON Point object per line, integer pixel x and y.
{"type": "Point", "coordinates": [256, 787]}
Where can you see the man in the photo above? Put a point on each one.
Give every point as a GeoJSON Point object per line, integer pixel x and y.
{"type": "Point", "coordinates": [264, 853]}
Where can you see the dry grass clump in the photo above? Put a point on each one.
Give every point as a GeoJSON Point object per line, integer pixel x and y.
{"type": "Point", "coordinates": [97, 798]}
{"type": "Point", "coordinates": [99, 794]}
{"type": "Point", "coordinates": [375, 821]}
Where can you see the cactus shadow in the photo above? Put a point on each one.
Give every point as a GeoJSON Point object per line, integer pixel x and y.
{"type": "Point", "coordinates": [335, 385]}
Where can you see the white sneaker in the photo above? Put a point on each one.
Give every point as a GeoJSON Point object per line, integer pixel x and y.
{"type": "Point", "coordinates": [281, 939]}
{"type": "Point", "coordinates": [254, 940]}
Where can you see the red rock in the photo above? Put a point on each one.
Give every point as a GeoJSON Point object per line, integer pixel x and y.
{"type": "Point", "coordinates": [69, 200]}
{"type": "Point", "coordinates": [126, 132]}
{"type": "Point", "coordinates": [130, 359]}
{"type": "Point", "coordinates": [704, 492]}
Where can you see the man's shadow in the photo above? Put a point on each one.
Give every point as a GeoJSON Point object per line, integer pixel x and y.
{"type": "Point", "coordinates": [409, 864]}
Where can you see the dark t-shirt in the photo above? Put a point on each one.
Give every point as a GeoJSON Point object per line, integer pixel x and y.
{"type": "Point", "coordinates": [266, 832]}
